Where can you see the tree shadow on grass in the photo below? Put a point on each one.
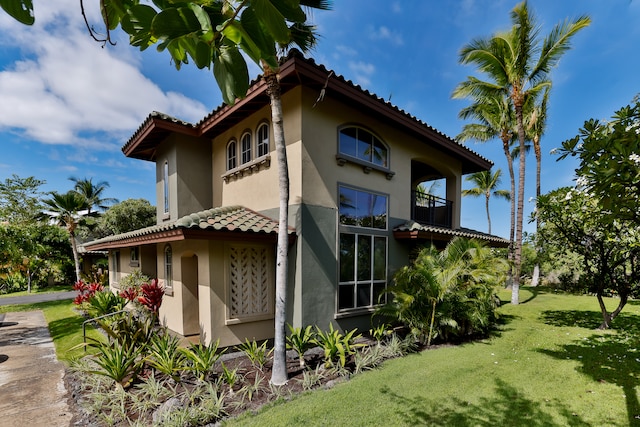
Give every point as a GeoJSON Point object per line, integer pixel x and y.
{"type": "Point", "coordinates": [508, 407]}
{"type": "Point", "coordinates": [610, 357]}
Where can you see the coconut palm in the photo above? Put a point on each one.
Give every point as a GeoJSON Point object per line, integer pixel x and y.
{"type": "Point", "coordinates": [93, 193]}
{"type": "Point", "coordinates": [65, 210]}
{"type": "Point", "coordinates": [494, 119]}
{"type": "Point", "coordinates": [485, 185]}
{"type": "Point", "coordinates": [518, 64]}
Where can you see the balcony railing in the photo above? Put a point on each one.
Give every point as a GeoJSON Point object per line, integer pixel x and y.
{"type": "Point", "coordinates": [431, 210]}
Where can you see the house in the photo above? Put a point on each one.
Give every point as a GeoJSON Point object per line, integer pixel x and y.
{"type": "Point", "coordinates": [355, 162]}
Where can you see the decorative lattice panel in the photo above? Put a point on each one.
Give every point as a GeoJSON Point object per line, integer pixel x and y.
{"type": "Point", "coordinates": [249, 281]}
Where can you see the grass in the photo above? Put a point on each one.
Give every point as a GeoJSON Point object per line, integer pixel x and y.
{"type": "Point", "coordinates": [65, 326]}
{"type": "Point", "coordinates": [37, 290]}
{"type": "Point", "coordinates": [547, 366]}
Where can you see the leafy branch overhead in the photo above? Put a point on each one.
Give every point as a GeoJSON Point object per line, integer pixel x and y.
{"type": "Point", "coordinates": [214, 33]}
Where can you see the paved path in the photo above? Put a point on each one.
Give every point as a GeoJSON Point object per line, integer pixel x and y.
{"type": "Point", "coordinates": [32, 392]}
{"type": "Point", "coordinates": [30, 299]}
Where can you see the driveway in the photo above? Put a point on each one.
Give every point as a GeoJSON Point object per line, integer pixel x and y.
{"type": "Point", "coordinates": [32, 392]}
{"type": "Point", "coordinates": [30, 299]}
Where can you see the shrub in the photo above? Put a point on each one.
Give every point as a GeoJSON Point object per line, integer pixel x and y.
{"type": "Point", "coordinates": [337, 347]}
{"type": "Point", "coordinates": [202, 358]}
{"type": "Point", "coordinates": [448, 294]}
{"type": "Point", "coordinates": [258, 354]}
{"type": "Point", "coordinates": [300, 340]}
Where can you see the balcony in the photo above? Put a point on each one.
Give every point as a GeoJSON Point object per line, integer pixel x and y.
{"type": "Point", "coordinates": [431, 210]}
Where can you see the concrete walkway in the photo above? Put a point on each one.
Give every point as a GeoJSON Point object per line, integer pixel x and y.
{"type": "Point", "coordinates": [32, 392]}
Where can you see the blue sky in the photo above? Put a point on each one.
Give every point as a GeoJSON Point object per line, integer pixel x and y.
{"type": "Point", "coordinates": [67, 104]}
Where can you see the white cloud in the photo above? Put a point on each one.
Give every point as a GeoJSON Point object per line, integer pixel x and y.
{"type": "Point", "coordinates": [363, 72]}
{"type": "Point", "coordinates": [384, 33]}
{"type": "Point", "coordinates": [67, 89]}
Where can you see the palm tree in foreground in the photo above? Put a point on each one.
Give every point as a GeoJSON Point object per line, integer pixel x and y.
{"type": "Point", "coordinates": [486, 184]}
{"type": "Point", "coordinates": [65, 210]}
{"type": "Point", "coordinates": [518, 64]}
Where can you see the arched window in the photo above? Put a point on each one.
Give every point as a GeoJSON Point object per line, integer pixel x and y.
{"type": "Point", "coordinates": [363, 145]}
{"type": "Point", "coordinates": [232, 156]}
{"type": "Point", "coordinates": [245, 144]}
{"type": "Point", "coordinates": [168, 267]}
{"type": "Point", "coordinates": [262, 142]}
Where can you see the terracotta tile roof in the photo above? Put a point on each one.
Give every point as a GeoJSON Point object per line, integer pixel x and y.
{"type": "Point", "coordinates": [232, 219]}
{"type": "Point", "coordinates": [416, 230]}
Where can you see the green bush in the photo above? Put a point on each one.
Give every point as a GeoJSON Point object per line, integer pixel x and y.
{"type": "Point", "coordinates": [448, 294]}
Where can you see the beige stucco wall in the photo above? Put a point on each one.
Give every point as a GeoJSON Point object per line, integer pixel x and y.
{"type": "Point", "coordinates": [321, 175]}
{"type": "Point", "coordinates": [191, 190]}
{"type": "Point", "coordinates": [259, 190]}
{"type": "Point", "coordinates": [179, 310]}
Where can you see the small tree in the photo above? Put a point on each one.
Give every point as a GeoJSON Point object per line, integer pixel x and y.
{"type": "Point", "coordinates": [486, 184]}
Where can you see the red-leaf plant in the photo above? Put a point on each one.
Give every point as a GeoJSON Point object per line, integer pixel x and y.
{"type": "Point", "coordinates": [130, 294]}
{"type": "Point", "coordinates": [85, 292]}
{"type": "Point", "coordinates": [151, 296]}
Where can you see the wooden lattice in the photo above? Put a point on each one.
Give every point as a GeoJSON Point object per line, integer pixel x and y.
{"type": "Point", "coordinates": [249, 281]}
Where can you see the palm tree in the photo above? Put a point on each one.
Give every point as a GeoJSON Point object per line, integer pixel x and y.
{"type": "Point", "coordinates": [93, 193]}
{"type": "Point", "coordinates": [486, 184]}
{"type": "Point", "coordinates": [495, 119]}
{"type": "Point", "coordinates": [65, 210]}
{"type": "Point", "coordinates": [518, 66]}
{"type": "Point", "coordinates": [536, 127]}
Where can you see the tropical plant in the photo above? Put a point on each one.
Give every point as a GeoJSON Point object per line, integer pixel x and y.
{"type": "Point", "coordinates": [66, 209]}
{"type": "Point", "coordinates": [129, 330]}
{"type": "Point", "coordinates": [257, 354]}
{"type": "Point", "coordinates": [337, 346]}
{"type": "Point", "coordinates": [201, 359]}
{"type": "Point", "coordinates": [249, 390]}
{"type": "Point", "coordinates": [486, 183]}
{"type": "Point", "coordinates": [300, 340]}
{"type": "Point", "coordinates": [455, 286]}
{"type": "Point", "coordinates": [517, 64]}
{"type": "Point", "coordinates": [230, 376]}
{"type": "Point", "coordinates": [104, 302]}
{"type": "Point", "coordinates": [151, 296]}
{"type": "Point", "coordinates": [92, 192]}
{"type": "Point", "coordinates": [163, 355]}
{"type": "Point", "coordinates": [380, 332]}
{"type": "Point", "coordinates": [118, 362]}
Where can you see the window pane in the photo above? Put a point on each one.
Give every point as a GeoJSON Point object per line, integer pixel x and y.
{"type": "Point", "coordinates": [348, 141]}
{"type": "Point", "coordinates": [379, 211]}
{"type": "Point", "coordinates": [364, 257]}
{"type": "Point", "coordinates": [347, 253]}
{"type": "Point", "coordinates": [378, 290]}
{"type": "Point", "coordinates": [364, 207]}
{"type": "Point", "coordinates": [364, 145]}
{"type": "Point", "coordinates": [345, 297]}
{"type": "Point", "coordinates": [380, 258]}
{"type": "Point", "coordinates": [379, 153]}
{"type": "Point", "coordinates": [364, 295]}
{"type": "Point", "coordinates": [348, 203]}
{"type": "Point", "coordinates": [246, 148]}
{"type": "Point", "coordinates": [263, 140]}
{"type": "Point", "coordinates": [231, 156]}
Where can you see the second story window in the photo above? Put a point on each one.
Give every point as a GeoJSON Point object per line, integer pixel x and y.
{"type": "Point", "coordinates": [168, 267]}
{"type": "Point", "coordinates": [232, 151]}
{"type": "Point", "coordinates": [263, 140]}
{"type": "Point", "coordinates": [362, 145]}
{"type": "Point", "coordinates": [245, 144]}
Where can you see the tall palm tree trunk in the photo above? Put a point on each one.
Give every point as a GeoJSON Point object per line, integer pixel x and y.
{"type": "Point", "coordinates": [536, 269]}
{"type": "Point", "coordinates": [74, 250]}
{"type": "Point", "coordinates": [512, 228]}
{"type": "Point", "coordinates": [486, 205]}
{"type": "Point", "coordinates": [517, 256]}
{"type": "Point", "coordinates": [279, 371]}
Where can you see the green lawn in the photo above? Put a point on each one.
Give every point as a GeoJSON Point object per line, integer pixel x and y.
{"type": "Point", "coordinates": [65, 325]}
{"type": "Point", "coordinates": [548, 366]}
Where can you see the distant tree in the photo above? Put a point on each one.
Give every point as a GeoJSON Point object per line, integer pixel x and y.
{"type": "Point", "coordinates": [66, 210]}
{"type": "Point", "coordinates": [485, 185]}
{"type": "Point", "coordinates": [128, 215]}
{"type": "Point", "coordinates": [93, 192]}
{"type": "Point", "coordinates": [20, 199]}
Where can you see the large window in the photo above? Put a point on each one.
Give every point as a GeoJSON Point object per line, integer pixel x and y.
{"type": "Point", "coordinates": [263, 140]}
{"type": "Point", "coordinates": [362, 145]}
{"type": "Point", "coordinates": [362, 248]}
